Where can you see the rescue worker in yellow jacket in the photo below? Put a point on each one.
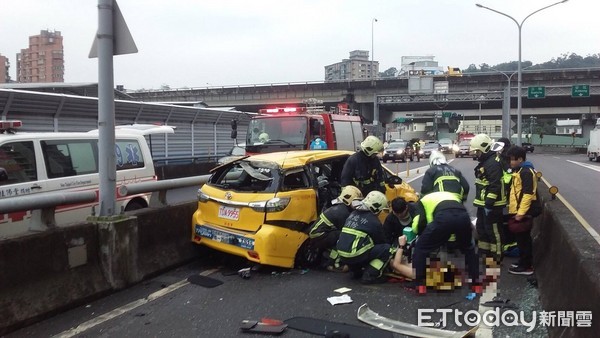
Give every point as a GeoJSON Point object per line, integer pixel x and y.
{"type": "Point", "coordinates": [362, 244]}
{"type": "Point", "coordinates": [439, 215]}
{"type": "Point", "coordinates": [490, 197]}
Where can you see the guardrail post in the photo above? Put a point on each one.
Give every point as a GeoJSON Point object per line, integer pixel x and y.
{"type": "Point", "coordinates": [42, 219]}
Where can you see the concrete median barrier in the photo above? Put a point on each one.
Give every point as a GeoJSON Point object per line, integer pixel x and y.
{"type": "Point", "coordinates": [50, 271]}
{"type": "Point", "coordinates": [567, 267]}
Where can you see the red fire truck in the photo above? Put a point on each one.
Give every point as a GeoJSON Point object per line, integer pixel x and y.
{"type": "Point", "coordinates": [294, 128]}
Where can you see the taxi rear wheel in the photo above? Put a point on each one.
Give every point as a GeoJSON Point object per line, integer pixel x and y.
{"type": "Point", "coordinates": [306, 256]}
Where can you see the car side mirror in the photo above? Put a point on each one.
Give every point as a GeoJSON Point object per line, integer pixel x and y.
{"type": "Point", "coordinates": [392, 180]}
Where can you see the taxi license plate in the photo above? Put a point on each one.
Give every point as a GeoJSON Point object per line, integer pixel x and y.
{"type": "Point", "coordinates": [223, 237]}
{"type": "Point", "coordinates": [229, 213]}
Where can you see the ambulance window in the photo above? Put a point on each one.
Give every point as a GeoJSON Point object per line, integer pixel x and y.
{"type": "Point", "coordinates": [69, 157]}
{"type": "Point", "coordinates": [128, 154]}
{"type": "Point", "coordinates": [18, 160]}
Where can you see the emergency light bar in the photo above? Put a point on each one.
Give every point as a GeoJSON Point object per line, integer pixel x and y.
{"type": "Point", "coordinates": [281, 110]}
{"type": "Point", "coordinates": [10, 125]}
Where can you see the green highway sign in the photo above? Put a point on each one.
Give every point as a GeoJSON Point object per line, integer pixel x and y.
{"type": "Point", "coordinates": [400, 120]}
{"type": "Point", "coordinates": [536, 92]}
{"type": "Point", "coordinates": [580, 91]}
{"type": "Point", "coordinates": [446, 114]}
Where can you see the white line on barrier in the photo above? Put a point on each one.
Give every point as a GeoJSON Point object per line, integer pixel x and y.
{"type": "Point", "coordinates": [587, 166]}
{"type": "Point", "coordinates": [127, 307]}
{"type": "Point", "coordinates": [580, 218]}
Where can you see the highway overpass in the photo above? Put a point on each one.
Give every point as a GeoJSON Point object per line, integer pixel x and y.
{"type": "Point", "coordinates": [399, 95]}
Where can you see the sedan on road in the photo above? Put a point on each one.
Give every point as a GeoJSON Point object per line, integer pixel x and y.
{"type": "Point", "coordinates": [528, 147]}
{"type": "Point", "coordinates": [398, 151]}
{"type": "Point", "coordinates": [429, 147]}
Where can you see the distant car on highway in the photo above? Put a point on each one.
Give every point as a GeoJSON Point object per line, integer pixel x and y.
{"type": "Point", "coordinates": [463, 149]}
{"type": "Point", "coordinates": [445, 145]}
{"type": "Point", "coordinates": [398, 151]}
{"type": "Point", "coordinates": [429, 147]}
{"type": "Point", "coordinates": [528, 147]}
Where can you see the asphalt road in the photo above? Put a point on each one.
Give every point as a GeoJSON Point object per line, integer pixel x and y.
{"type": "Point", "coordinates": [168, 306]}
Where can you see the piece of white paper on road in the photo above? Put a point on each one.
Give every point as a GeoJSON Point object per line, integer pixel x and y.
{"type": "Point", "coordinates": [342, 290]}
{"type": "Point", "coordinates": [344, 299]}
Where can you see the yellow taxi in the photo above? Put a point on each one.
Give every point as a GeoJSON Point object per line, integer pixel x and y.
{"type": "Point", "coordinates": [261, 207]}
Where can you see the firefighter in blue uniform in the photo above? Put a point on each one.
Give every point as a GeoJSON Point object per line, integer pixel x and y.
{"type": "Point", "coordinates": [439, 215]}
{"type": "Point", "coordinates": [363, 169]}
{"type": "Point", "coordinates": [362, 243]}
{"type": "Point", "coordinates": [326, 230]}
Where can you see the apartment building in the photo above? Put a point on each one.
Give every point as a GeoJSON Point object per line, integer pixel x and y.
{"type": "Point", "coordinates": [4, 67]}
{"type": "Point", "coordinates": [43, 61]}
{"type": "Point", "coordinates": [357, 67]}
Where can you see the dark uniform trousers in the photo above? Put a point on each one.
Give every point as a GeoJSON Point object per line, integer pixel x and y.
{"type": "Point", "coordinates": [489, 230]}
{"type": "Point", "coordinates": [445, 223]}
{"type": "Point", "coordinates": [373, 261]}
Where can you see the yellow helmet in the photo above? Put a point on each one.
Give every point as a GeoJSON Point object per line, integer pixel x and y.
{"type": "Point", "coordinates": [263, 137]}
{"type": "Point", "coordinates": [375, 201]}
{"type": "Point", "coordinates": [350, 193]}
{"type": "Point", "coordinates": [481, 142]}
{"type": "Point", "coordinates": [371, 145]}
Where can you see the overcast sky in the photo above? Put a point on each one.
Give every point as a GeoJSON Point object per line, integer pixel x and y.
{"type": "Point", "coordinates": [197, 43]}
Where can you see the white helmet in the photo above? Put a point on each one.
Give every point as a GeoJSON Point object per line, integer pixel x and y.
{"type": "Point", "coordinates": [437, 158]}
{"type": "Point", "coordinates": [481, 142]}
{"type": "Point", "coordinates": [350, 193]}
{"type": "Point", "coordinates": [371, 145]}
{"type": "Point", "coordinates": [263, 137]}
{"type": "Point", "coordinates": [375, 201]}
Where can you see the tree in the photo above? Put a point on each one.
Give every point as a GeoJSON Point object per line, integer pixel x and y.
{"type": "Point", "coordinates": [390, 72]}
{"type": "Point", "coordinates": [566, 60]}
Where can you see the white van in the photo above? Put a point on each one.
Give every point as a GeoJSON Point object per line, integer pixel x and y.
{"type": "Point", "coordinates": [32, 163]}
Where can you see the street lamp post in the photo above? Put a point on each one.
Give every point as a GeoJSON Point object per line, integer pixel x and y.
{"type": "Point", "coordinates": [506, 112]}
{"type": "Point", "coordinates": [372, 46]}
{"type": "Point", "coordinates": [519, 70]}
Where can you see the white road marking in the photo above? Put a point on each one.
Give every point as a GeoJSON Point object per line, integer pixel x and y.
{"type": "Point", "coordinates": [580, 218]}
{"type": "Point", "coordinates": [127, 307]}
{"type": "Point", "coordinates": [588, 166]}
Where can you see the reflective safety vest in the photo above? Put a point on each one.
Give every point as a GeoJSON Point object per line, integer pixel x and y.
{"type": "Point", "coordinates": [430, 202]}
{"type": "Point", "coordinates": [438, 185]}
{"type": "Point", "coordinates": [362, 243]}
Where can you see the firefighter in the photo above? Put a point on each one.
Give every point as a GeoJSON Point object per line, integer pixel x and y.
{"type": "Point", "coordinates": [263, 137]}
{"type": "Point", "coordinates": [326, 230]}
{"type": "Point", "coordinates": [490, 197]}
{"type": "Point", "coordinates": [362, 243]}
{"type": "Point", "coordinates": [363, 169]}
{"type": "Point", "coordinates": [417, 149]}
{"type": "Point", "coordinates": [443, 177]}
{"type": "Point", "coordinates": [439, 215]}
{"type": "Point", "coordinates": [501, 147]}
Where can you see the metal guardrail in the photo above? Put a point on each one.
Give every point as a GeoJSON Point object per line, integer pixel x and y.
{"type": "Point", "coordinates": [43, 205]}
{"type": "Point", "coordinates": [159, 188]}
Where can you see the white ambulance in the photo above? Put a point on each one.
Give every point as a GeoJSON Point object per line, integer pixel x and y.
{"type": "Point", "coordinates": [32, 163]}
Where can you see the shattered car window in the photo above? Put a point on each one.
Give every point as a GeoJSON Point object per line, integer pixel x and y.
{"type": "Point", "coordinates": [246, 176]}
